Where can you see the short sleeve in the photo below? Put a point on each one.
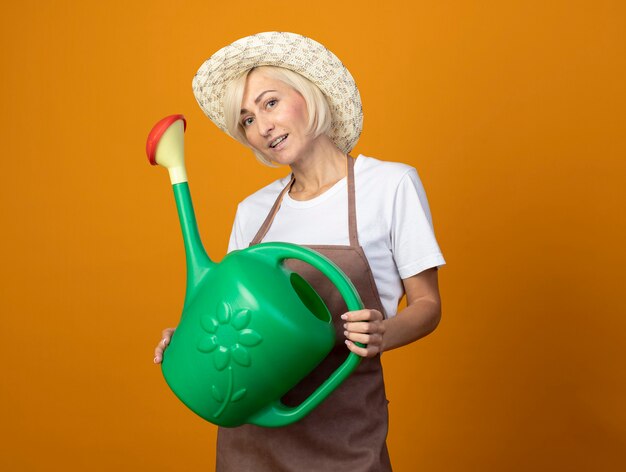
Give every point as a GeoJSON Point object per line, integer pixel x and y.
{"type": "Point", "coordinates": [413, 241]}
{"type": "Point", "coordinates": [236, 235]}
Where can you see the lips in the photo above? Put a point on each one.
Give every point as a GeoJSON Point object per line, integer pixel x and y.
{"type": "Point", "coordinates": [278, 140]}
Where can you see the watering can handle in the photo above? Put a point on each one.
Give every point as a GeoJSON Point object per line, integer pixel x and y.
{"type": "Point", "coordinates": [277, 414]}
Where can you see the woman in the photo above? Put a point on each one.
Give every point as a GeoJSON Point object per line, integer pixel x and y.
{"type": "Point", "coordinates": [293, 103]}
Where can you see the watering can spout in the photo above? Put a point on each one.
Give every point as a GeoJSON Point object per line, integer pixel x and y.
{"type": "Point", "coordinates": [165, 147]}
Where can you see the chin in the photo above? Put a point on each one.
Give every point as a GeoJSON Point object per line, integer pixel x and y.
{"type": "Point", "coordinates": [284, 159]}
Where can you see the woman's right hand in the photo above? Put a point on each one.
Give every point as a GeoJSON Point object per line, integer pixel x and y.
{"type": "Point", "coordinates": [166, 337]}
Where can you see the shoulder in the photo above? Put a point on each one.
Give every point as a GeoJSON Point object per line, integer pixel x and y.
{"type": "Point", "coordinates": [265, 194]}
{"type": "Point", "coordinates": [389, 186]}
{"type": "Point", "coordinates": [390, 175]}
{"type": "Point", "coordinates": [260, 202]}
{"type": "Point", "coordinates": [384, 169]}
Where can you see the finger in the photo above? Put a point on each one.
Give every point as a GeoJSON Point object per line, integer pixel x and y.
{"type": "Point", "coordinates": [364, 327]}
{"type": "Point", "coordinates": [357, 327]}
{"type": "Point", "coordinates": [360, 351]}
{"type": "Point", "coordinates": [158, 354]}
{"type": "Point", "coordinates": [368, 339]}
{"type": "Point", "coordinates": [369, 351]}
{"type": "Point", "coordinates": [357, 315]}
{"type": "Point", "coordinates": [158, 351]}
{"type": "Point", "coordinates": [166, 337]}
{"type": "Point", "coordinates": [167, 333]}
{"type": "Point", "coordinates": [362, 315]}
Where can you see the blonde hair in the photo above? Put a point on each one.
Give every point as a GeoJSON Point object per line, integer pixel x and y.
{"type": "Point", "coordinates": [317, 106]}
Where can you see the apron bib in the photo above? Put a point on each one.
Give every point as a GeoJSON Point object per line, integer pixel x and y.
{"type": "Point", "coordinates": [348, 431]}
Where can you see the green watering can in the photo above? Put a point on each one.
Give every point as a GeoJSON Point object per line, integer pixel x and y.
{"type": "Point", "coordinates": [251, 329]}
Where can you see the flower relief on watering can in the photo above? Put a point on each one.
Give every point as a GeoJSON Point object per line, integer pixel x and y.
{"type": "Point", "coordinates": [228, 339]}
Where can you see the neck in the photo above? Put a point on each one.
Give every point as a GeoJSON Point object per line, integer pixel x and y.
{"type": "Point", "coordinates": [319, 169]}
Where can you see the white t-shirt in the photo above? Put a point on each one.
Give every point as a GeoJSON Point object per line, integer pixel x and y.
{"type": "Point", "coordinates": [393, 222]}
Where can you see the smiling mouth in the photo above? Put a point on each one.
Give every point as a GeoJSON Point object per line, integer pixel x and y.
{"type": "Point", "coordinates": [278, 140]}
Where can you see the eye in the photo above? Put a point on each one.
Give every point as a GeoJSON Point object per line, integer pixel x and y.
{"type": "Point", "coordinates": [271, 103]}
{"type": "Point", "coordinates": [247, 121]}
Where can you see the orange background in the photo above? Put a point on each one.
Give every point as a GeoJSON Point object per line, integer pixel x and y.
{"type": "Point", "coordinates": [514, 115]}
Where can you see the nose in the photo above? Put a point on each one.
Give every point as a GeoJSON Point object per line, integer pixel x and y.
{"type": "Point", "coordinates": [265, 124]}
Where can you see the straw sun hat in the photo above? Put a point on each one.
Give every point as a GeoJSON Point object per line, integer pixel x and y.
{"type": "Point", "coordinates": [291, 51]}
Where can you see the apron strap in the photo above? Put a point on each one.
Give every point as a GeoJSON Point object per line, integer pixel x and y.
{"type": "Point", "coordinates": [352, 228]}
{"type": "Point", "coordinates": [270, 217]}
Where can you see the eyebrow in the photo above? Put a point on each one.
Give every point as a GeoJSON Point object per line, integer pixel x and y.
{"type": "Point", "coordinates": [257, 100]}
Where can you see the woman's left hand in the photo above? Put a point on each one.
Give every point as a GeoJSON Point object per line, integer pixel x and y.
{"type": "Point", "coordinates": [366, 327]}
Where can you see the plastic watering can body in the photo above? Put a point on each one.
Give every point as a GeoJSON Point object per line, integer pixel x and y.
{"type": "Point", "coordinates": [250, 332]}
{"type": "Point", "coordinates": [251, 329]}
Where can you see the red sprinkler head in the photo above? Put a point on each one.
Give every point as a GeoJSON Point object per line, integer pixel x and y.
{"type": "Point", "coordinates": [157, 132]}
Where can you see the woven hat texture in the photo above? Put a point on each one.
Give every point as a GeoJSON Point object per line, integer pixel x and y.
{"type": "Point", "coordinates": [291, 51]}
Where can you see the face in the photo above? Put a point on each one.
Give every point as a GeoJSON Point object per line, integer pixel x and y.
{"type": "Point", "coordinates": [274, 118]}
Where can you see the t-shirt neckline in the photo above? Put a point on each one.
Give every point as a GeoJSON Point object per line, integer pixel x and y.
{"type": "Point", "coordinates": [339, 185]}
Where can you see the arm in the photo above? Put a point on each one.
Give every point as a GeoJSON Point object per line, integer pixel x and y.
{"type": "Point", "coordinates": [418, 319]}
